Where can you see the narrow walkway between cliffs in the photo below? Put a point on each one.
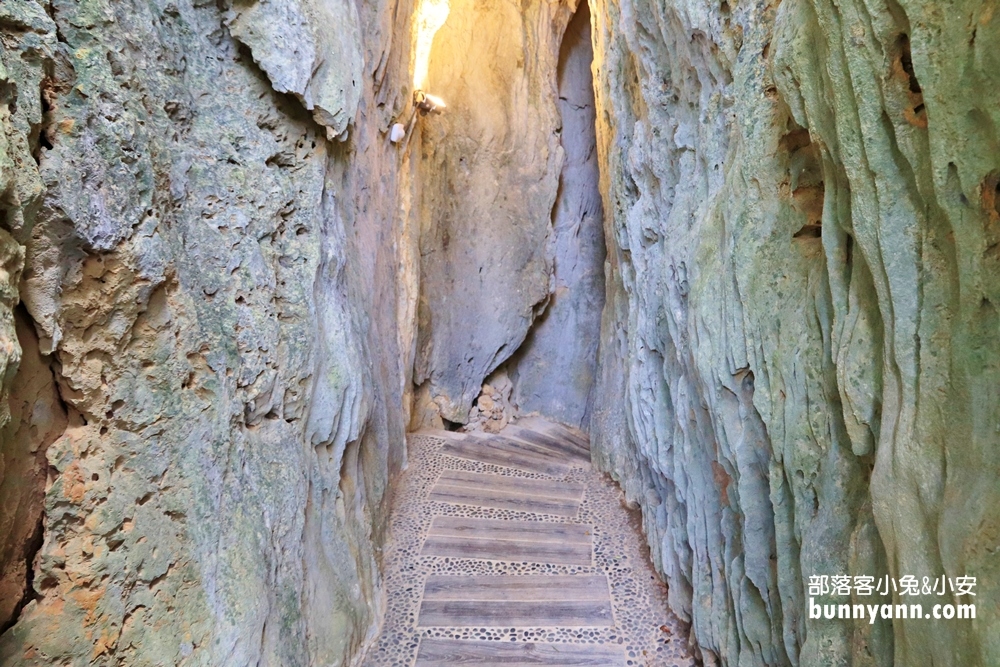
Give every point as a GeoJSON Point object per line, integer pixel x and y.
{"type": "Point", "coordinates": [506, 546]}
{"type": "Point", "coordinates": [510, 549]}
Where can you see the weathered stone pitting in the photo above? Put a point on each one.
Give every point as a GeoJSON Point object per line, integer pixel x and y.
{"type": "Point", "coordinates": [203, 290]}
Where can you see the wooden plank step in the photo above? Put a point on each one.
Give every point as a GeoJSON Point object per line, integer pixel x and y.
{"type": "Point", "coordinates": [516, 614]}
{"type": "Point", "coordinates": [545, 488]}
{"type": "Point", "coordinates": [516, 601]}
{"type": "Point", "coordinates": [508, 442]}
{"type": "Point", "coordinates": [575, 436]}
{"type": "Point", "coordinates": [547, 437]}
{"type": "Point", "coordinates": [514, 551]}
{"type": "Point", "coordinates": [529, 587]}
{"type": "Point", "coordinates": [458, 652]}
{"type": "Point", "coordinates": [475, 450]}
{"type": "Point", "coordinates": [507, 500]}
{"type": "Point", "coordinates": [560, 446]}
{"type": "Point", "coordinates": [519, 446]}
{"type": "Point", "coordinates": [502, 529]}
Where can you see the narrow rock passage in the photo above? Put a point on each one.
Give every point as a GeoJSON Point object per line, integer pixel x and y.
{"type": "Point", "coordinates": [511, 549]}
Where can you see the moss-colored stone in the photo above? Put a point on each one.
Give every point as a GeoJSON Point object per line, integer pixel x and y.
{"type": "Point", "coordinates": [221, 328]}
{"type": "Point", "coordinates": [800, 203]}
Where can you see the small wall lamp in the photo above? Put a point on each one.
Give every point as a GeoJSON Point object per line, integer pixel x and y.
{"type": "Point", "coordinates": [427, 103]}
{"type": "Point", "coordinates": [423, 102]}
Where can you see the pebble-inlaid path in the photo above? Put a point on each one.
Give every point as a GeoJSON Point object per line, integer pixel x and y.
{"type": "Point", "coordinates": [512, 550]}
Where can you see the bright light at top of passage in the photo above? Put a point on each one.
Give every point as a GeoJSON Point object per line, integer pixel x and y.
{"type": "Point", "coordinates": [431, 15]}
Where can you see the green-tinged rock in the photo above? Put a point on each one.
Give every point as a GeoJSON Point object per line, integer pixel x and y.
{"type": "Point", "coordinates": [802, 212]}
{"type": "Point", "coordinates": [215, 306]}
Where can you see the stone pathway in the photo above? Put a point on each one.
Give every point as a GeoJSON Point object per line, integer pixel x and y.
{"type": "Point", "coordinates": [511, 550]}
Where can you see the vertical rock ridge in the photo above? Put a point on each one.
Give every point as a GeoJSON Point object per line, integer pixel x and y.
{"type": "Point", "coordinates": [797, 214]}
{"type": "Point", "coordinates": [37, 418]}
{"type": "Point", "coordinates": [489, 172]}
{"type": "Point", "coordinates": [216, 292]}
{"type": "Point", "coordinates": [553, 369]}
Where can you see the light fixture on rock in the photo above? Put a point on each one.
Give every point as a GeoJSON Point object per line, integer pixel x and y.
{"type": "Point", "coordinates": [427, 103]}
{"type": "Point", "coordinates": [429, 16]}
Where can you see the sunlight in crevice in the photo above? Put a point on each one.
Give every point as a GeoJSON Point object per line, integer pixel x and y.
{"type": "Point", "coordinates": [431, 15]}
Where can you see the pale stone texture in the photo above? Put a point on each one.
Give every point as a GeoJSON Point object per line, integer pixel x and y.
{"type": "Point", "coordinates": [214, 288]}
{"type": "Point", "coordinates": [310, 48]}
{"type": "Point", "coordinates": [553, 370]}
{"type": "Point", "coordinates": [489, 174]}
{"type": "Point", "coordinates": [797, 373]}
{"type": "Point", "coordinates": [220, 316]}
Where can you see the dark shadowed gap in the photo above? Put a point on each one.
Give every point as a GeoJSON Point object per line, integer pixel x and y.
{"type": "Point", "coordinates": [553, 371]}
{"type": "Point", "coordinates": [38, 416]}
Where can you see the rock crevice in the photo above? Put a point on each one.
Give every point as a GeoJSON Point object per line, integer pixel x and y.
{"type": "Point", "coordinates": [225, 293]}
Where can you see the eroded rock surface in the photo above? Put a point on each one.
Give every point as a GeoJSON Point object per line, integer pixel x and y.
{"type": "Point", "coordinates": [37, 418]}
{"type": "Point", "coordinates": [220, 283]}
{"type": "Point", "coordinates": [489, 174]}
{"type": "Point", "coordinates": [214, 292]}
{"type": "Point", "coordinates": [553, 370]}
{"type": "Point", "coordinates": [28, 39]}
{"type": "Point", "coordinates": [801, 299]}
{"type": "Point", "coordinates": [310, 48]}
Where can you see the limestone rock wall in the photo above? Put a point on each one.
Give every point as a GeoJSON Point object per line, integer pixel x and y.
{"type": "Point", "coordinates": [27, 38]}
{"type": "Point", "coordinates": [37, 418]}
{"type": "Point", "coordinates": [214, 396]}
{"type": "Point", "coordinates": [488, 178]}
{"type": "Point", "coordinates": [801, 309]}
{"type": "Point", "coordinates": [553, 370]}
{"type": "Point", "coordinates": [218, 278]}
{"type": "Point", "coordinates": [294, 42]}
